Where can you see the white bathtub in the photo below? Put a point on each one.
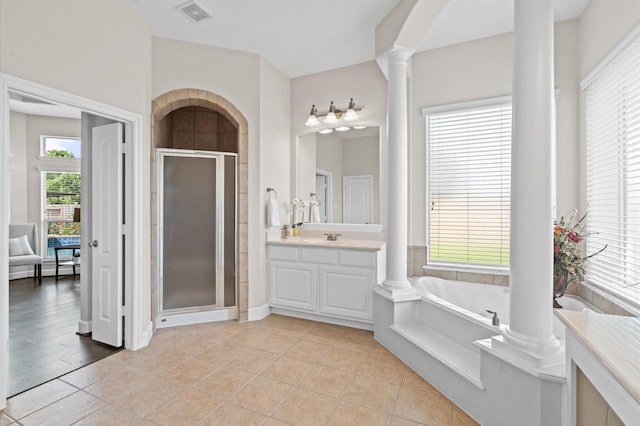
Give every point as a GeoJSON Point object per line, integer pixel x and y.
{"type": "Point", "coordinates": [472, 301]}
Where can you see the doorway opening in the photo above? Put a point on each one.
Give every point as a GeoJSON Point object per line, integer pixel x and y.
{"type": "Point", "coordinates": [136, 333]}
{"type": "Point", "coordinates": [324, 192]}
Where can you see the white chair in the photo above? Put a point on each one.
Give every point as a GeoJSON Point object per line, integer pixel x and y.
{"type": "Point", "coordinates": [30, 230]}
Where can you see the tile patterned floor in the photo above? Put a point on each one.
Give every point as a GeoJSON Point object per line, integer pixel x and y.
{"type": "Point", "coordinates": [278, 371]}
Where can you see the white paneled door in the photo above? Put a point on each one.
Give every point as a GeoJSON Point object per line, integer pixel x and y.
{"type": "Point", "coordinates": [106, 237]}
{"type": "Point", "coordinates": [357, 206]}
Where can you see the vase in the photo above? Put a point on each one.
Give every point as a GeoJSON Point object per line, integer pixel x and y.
{"type": "Point", "coordinates": [560, 283]}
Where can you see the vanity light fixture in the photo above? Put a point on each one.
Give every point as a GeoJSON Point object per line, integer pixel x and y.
{"type": "Point", "coordinates": [313, 119]}
{"type": "Point", "coordinates": [351, 111]}
{"type": "Point", "coordinates": [333, 115]}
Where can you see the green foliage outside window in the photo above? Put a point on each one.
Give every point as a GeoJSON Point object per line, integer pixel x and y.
{"type": "Point", "coordinates": [63, 189]}
{"type": "Point", "coordinates": [59, 153]}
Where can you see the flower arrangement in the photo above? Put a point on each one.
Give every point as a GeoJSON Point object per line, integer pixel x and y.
{"type": "Point", "coordinates": [569, 264]}
{"type": "Point", "coordinates": [567, 235]}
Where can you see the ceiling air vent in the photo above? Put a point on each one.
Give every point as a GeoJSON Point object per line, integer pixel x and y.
{"type": "Point", "coordinates": [193, 11]}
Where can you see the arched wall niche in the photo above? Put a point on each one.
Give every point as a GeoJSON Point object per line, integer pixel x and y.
{"type": "Point", "coordinates": [160, 108]}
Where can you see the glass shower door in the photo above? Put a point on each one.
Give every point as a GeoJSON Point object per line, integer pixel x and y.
{"type": "Point", "coordinates": [190, 231]}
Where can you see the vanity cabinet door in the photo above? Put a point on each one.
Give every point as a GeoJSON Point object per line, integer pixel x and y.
{"type": "Point", "coordinates": [346, 292]}
{"type": "Point", "coordinates": [293, 285]}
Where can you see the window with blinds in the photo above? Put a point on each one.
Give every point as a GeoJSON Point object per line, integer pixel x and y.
{"type": "Point", "coordinates": [613, 172]}
{"type": "Point", "coordinates": [61, 197]}
{"type": "Point", "coordinates": [469, 183]}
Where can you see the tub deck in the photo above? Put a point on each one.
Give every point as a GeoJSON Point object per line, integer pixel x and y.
{"type": "Point", "coordinates": [465, 362]}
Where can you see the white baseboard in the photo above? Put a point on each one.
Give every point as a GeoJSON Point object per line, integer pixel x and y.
{"type": "Point", "coordinates": [259, 313]}
{"type": "Point", "coordinates": [48, 270]}
{"type": "Point", "coordinates": [364, 325]}
{"type": "Point", "coordinates": [145, 336]}
{"type": "Point", "coordinates": [17, 275]}
{"type": "Point", "coordinates": [84, 327]}
{"type": "Point", "coordinates": [186, 318]}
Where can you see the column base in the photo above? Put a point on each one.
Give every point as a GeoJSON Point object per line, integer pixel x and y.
{"type": "Point", "coordinates": [396, 285]}
{"type": "Point", "coordinates": [537, 355]}
{"type": "Point", "coordinates": [396, 294]}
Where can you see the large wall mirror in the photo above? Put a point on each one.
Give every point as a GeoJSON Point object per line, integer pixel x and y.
{"type": "Point", "coordinates": [343, 170]}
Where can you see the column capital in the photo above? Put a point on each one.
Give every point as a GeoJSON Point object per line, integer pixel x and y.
{"type": "Point", "coordinates": [395, 54]}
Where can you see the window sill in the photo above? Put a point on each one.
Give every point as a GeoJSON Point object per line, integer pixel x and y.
{"type": "Point", "coordinates": [630, 306]}
{"type": "Point", "coordinates": [469, 269]}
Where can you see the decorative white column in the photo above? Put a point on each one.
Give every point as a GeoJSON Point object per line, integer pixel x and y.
{"type": "Point", "coordinates": [532, 182]}
{"type": "Point", "coordinates": [396, 280]}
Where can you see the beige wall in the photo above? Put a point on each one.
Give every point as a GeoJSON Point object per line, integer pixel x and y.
{"type": "Point", "coordinates": [275, 166]}
{"type": "Point", "coordinates": [91, 48]}
{"type": "Point", "coordinates": [18, 202]}
{"type": "Point", "coordinates": [307, 164]}
{"type": "Point", "coordinates": [361, 156]}
{"type": "Point", "coordinates": [330, 158]}
{"type": "Point", "coordinates": [566, 82]}
{"type": "Point", "coordinates": [603, 25]}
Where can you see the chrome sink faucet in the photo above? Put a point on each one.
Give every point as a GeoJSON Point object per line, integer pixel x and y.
{"type": "Point", "coordinates": [332, 236]}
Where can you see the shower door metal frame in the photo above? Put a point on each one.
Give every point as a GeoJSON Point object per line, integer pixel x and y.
{"type": "Point", "coordinates": [161, 153]}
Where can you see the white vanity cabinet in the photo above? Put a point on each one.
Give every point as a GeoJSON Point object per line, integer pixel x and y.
{"type": "Point", "coordinates": [333, 284]}
{"type": "Point", "coordinates": [293, 285]}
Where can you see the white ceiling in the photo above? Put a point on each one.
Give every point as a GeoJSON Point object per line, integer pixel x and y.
{"type": "Point", "coordinates": [302, 37]}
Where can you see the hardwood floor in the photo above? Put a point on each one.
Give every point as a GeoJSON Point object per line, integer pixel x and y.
{"type": "Point", "coordinates": [43, 343]}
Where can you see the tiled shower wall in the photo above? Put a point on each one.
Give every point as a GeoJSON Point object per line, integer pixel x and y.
{"type": "Point", "coordinates": [417, 258]}
{"type": "Point", "coordinates": [198, 128]}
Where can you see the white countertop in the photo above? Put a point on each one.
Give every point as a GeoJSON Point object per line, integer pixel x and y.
{"type": "Point", "coordinates": [360, 244]}
{"type": "Point", "coordinates": [614, 340]}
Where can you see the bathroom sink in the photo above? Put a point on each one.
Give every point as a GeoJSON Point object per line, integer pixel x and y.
{"type": "Point", "coordinates": [346, 243]}
{"type": "Point", "coordinates": [321, 241]}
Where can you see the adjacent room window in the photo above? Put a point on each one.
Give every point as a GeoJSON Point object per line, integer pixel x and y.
{"type": "Point", "coordinates": [60, 193]}
{"type": "Point", "coordinates": [469, 183]}
{"type": "Point", "coordinates": [61, 210]}
{"type": "Point", "coordinates": [613, 172]}
{"type": "Point", "coordinates": [59, 147]}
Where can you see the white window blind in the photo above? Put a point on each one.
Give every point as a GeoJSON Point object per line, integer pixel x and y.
{"type": "Point", "coordinates": [61, 197]}
{"type": "Point", "coordinates": [469, 182]}
{"type": "Point", "coordinates": [613, 173]}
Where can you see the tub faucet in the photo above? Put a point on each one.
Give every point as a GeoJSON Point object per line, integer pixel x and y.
{"type": "Point", "coordinates": [495, 320]}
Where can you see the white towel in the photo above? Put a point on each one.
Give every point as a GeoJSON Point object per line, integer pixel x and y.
{"type": "Point", "coordinates": [273, 216]}
{"type": "Point", "coordinates": [315, 213]}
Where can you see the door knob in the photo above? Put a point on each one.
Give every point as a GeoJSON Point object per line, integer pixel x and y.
{"type": "Point", "coordinates": [93, 243]}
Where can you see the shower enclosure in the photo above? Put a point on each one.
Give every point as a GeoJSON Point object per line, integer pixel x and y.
{"type": "Point", "coordinates": [196, 236]}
